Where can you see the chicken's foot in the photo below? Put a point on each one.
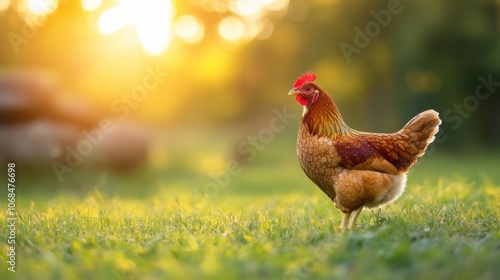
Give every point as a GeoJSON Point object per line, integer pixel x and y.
{"type": "Point", "coordinates": [352, 224]}
{"type": "Point", "coordinates": [345, 220]}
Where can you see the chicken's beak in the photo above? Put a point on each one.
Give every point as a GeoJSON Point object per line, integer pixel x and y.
{"type": "Point", "coordinates": [294, 91]}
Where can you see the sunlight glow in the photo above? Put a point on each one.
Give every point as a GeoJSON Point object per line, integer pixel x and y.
{"type": "Point", "coordinates": [252, 22]}
{"type": "Point", "coordinates": [231, 28]}
{"type": "Point", "coordinates": [151, 19]}
{"type": "Point", "coordinates": [266, 2]}
{"type": "Point", "coordinates": [42, 7]}
{"type": "Point", "coordinates": [154, 35]}
{"type": "Point", "coordinates": [277, 5]}
{"type": "Point", "coordinates": [90, 5]}
{"type": "Point", "coordinates": [35, 12]}
{"type": "Point", "coordinates": [4, 5]}
{"type": "Point", "coordinates": [254, 9]}
{"type": "Point", "coordinates": [248, 8]}
{"type": "Point", "coordinates": [189, 28]}
{"type": "Point", "coordinates": [111, 20]}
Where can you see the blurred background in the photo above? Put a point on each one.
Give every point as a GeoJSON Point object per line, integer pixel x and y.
{"type": "Point", "coordinates": [135, 95]}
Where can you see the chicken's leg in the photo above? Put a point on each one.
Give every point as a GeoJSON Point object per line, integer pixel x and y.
{"type": "Point", "coordinates": [352, 224]}
{"type": "Point", "coordinates": [345, 220]}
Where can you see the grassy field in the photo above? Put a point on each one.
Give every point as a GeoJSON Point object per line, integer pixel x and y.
{"type": "Point", "coordinates": [270, 222]}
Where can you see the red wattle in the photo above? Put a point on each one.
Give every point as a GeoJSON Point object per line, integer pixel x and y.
{"type": "Point", "coordinates": [301, 100]}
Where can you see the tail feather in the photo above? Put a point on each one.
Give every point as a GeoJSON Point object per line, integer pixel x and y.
{"type": "Point", "coordinates": [420, 132]}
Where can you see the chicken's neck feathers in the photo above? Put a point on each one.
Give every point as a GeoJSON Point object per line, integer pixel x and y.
{"type": "Point", "coordinates": [323, 118]}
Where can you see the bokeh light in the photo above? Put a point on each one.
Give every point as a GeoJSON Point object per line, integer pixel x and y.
{"type": "Point", "coordinates": [90, 5]}
{"type": "Point", "coordinates": [231, 28]}
{"type": "Point", "coordinates": [189, 28]}
{"type": "Point", "coordinates": [42, 7]}
{"type": "Point", "coordinates": [248, 8]}
{"type": "Point", "coordinates": [36, 12]}
{"type": "Point", "coordinates": [156, 24]}
{"type": "Point", "coordinates": [152, 22]}
{"type": "Point", "coordinates": [276, 5]}
{"type": "Point", "coordinates": [154, 35]}
{"type": "Point", "coordinates": [111, 20]}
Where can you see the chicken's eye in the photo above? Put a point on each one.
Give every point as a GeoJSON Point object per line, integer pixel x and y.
{"type": "Point", "coordinates": [308, 88]}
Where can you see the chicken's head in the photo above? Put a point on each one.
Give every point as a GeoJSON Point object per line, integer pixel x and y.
{"type": "Point", "coordinates": [305, 91]}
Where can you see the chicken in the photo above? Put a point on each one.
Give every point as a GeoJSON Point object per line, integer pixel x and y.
{"type": "Point", "coordinates": [355, 169]}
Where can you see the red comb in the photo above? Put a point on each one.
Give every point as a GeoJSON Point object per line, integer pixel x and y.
{"type": "Point", "coordinates": [308, 76]}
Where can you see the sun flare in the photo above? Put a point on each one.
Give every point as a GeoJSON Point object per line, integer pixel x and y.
{"type": "Point", "coordinates": [155, 23]}
{"type": "Point", "coordinates": [152, 21]}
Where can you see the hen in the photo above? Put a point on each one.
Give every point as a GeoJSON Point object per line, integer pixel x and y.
{"type": "Point", "coordinates": [355, 169]}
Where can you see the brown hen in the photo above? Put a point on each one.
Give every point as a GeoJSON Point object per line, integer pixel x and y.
{"type": "Point", "coordinates": [355, 169]}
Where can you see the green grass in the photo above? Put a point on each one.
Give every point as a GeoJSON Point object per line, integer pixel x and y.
{"type": "Point", "coordinates": [449, 233]}
{"type": "Point", "coordinates": [269, 223]}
